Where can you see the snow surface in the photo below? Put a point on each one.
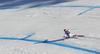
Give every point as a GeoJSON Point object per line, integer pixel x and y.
{"type": "Point", "coordinates": [36, 27]}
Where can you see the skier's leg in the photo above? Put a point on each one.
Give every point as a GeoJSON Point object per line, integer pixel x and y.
{"type": "Point", "coordinates": [65, 36]}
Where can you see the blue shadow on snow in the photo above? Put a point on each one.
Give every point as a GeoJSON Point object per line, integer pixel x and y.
{"type": "Point", "coordinates": [33, 3]}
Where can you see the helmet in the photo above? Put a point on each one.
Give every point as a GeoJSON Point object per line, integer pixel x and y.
{"type": "Point", "coordinates": [64, 29]}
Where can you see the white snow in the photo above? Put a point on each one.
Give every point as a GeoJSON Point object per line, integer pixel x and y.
{"type": "Point", "coordinates": [39, 29]}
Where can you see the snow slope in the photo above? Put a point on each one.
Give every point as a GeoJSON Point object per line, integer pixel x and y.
{"type": "Point", "coordinates": [36, 27]}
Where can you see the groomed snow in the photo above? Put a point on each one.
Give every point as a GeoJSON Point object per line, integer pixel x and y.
{"type": "Point", "coordinates": [36, 27]}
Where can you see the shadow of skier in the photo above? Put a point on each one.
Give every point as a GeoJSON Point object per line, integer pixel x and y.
{"type": "Point", "coordinates": [46, 41]}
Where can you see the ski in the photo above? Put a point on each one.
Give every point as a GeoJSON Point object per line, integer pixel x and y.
{"type": "Point", "coordinates": [74, 36]}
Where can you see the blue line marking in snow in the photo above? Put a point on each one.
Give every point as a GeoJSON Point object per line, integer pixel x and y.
{"type": "Point", "coordinates": [85, 11]}
{"type": "Point", "coordinates": [53, 43]}
{"type": "Point", "coordinates": [28, 36]}
{"type": "Point", "coordinates": [73, 6]}
{"type": "Point", "coordinates": [10, 8]}
{"type": "Point", "coordinates": [54, 6]}
{"type": "Point", "coordinates": [91, 7]}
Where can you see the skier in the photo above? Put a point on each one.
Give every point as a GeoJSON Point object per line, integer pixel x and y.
{"type": "Point", "coordinates": [68, 34]}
